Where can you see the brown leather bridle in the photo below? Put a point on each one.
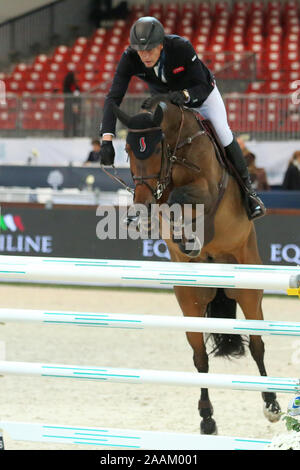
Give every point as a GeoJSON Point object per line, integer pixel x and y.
{"type": "Point", "coordinates": [168, 159]}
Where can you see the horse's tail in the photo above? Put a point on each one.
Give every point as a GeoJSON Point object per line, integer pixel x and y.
{"type": "Point", "coordinates": [225, 344]}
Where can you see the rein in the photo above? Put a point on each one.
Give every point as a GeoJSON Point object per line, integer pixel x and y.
{"type": "Point", "coordinates": [118, 179]}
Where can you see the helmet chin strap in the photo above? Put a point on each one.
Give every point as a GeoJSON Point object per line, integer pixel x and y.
{"type": "Point", "coordinates": [161, 63]}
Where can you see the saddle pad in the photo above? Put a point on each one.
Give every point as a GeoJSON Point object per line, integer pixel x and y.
{"type": "Point", "coordinates": [221, 154]}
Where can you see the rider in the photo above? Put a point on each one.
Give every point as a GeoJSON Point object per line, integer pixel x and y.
{"type": "Point", "coordinates": [169, 64]}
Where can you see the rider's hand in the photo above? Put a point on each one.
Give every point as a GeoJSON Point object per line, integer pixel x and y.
{"type": "Point", "coordinates": [178, 97]}
{"type": "Point", "coordinates": [107, 153]}
{"type": "Point", "coordinates": [147, 103]}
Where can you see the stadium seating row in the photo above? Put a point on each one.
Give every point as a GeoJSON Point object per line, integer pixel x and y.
{"type": "Point", "coordinates": [250, 27]}
{"type": "Point", "coordinates": [268, 32]}
{"type": "Point", "coordinates": [259, 114]}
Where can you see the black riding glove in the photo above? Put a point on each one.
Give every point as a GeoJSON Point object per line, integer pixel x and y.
{"type": "Point", "coordinates": [107, 153]}
{"type": "Point", "coordinates": [147, 103]}
{"type": "Point", "coordinates": [178, 97]}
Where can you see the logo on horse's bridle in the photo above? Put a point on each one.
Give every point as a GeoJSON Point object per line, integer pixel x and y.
{"type": "Point", "coordinates": [142, 144]}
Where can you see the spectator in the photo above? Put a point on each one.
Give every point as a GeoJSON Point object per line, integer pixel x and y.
{"type": "Point", "coordinates": [292, 176]}
{"type": "Point", "coordinates": [94, 155]}
{"type": "Point", "coordinates": [257, 175]}
{"type": "Point", "coordinates": [102, 10]}
{"type": "Point", "coordinates": [72, 105]}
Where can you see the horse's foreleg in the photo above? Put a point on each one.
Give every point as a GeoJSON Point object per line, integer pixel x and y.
{"type": "Point", "coordinates": [193, 303]}
{"type": "Point", "coordinates": [200, 357]}
{"type": "Point", "coordinates": [250, 303]}
{"type": "Point", "coordinates": [271, 406]}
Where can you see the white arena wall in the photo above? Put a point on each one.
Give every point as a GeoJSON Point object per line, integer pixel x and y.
{"type": "Point", "coordinates": [272, 156]}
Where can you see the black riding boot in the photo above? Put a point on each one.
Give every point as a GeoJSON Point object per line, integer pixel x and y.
{"type": "Point", "coordinates": [255, 206]}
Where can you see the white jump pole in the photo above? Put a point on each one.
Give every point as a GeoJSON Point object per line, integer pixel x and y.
{"type": "Point", "coordinates": [142, 322]}
{"type": "Point", "coordinates": [130, 273]}
{"type": "Point", "coordinates": [146, 265]}
{"type": "Point", "coordinates": [142, 376]}
{"type": "Point", "coordinates": [126, 438]}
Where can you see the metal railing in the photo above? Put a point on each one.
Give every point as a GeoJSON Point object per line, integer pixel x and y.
{"type": "Point", "coordinates": [74, 196]}
{"type": "Point", "coordinates": [268, 117]}
{"type": "Point", "coordinates": [230, 65]}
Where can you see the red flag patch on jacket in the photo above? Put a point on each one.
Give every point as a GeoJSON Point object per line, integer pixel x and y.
{"type": "Point", "coordinates": [178, 69]}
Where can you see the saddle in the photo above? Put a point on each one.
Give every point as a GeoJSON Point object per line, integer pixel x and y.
{"type": "Point", "coordinates": [209, 129]}
{"type": "Point", "coordinates": [225, 163]}
{"type": "Point", "coordinates": [222, 158]}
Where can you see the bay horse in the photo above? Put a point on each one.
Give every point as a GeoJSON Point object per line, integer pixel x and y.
{"type": "Point", "coordinates": [173, 159]}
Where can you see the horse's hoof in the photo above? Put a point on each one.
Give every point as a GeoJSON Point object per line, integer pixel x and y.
{"type": "Point", "coordinates": [272, 411]}
{"type": "Point", "coordinates": [191, 247]}
{"type": "Point", "coordinates": [208, 426]}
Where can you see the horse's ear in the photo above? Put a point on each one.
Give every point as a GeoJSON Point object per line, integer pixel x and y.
{"type": "Point", "coordinates": [123, 117]}
{"type": "Point", "coordinates": [158, 115]}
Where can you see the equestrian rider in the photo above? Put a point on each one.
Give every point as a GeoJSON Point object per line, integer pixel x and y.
{"type": "Point", "coordinates": [169, 64]}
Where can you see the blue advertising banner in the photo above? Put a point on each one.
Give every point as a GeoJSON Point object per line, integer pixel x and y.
{"type": "Point", "coordinates": [74, 232]}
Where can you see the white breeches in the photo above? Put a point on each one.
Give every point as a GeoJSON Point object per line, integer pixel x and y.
{"type": "Point", "coordinates": [213, 108]}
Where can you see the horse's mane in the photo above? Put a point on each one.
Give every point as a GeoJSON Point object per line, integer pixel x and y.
{"type": "Point", "coordinates": [150, 102]}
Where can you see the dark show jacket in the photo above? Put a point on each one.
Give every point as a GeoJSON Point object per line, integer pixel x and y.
{"type": "Point", "coordinates": [182, 70]}
{"type": "Point", "coordinates": [93, 157]}
{"type": "Point", "coordinates": [292, 178]}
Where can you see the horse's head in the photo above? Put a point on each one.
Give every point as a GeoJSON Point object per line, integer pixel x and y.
{"type": "Point", "coordinates": [162, 175]}
{"type": "Point", "coordinates": [146, 148]}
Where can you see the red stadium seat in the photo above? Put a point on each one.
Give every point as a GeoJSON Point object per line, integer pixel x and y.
{"type": "Point", "coordinates": [7, 120]}
{"type": "Point", "coordinates": [291, 124]}
{"type": "Point", "coordinates": [46, 120]}
{"type": "Point", "coordinates": [255, 87]}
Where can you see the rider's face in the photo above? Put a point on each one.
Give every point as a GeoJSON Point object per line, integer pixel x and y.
{"type": "Point", "coordinates": [149, 58]}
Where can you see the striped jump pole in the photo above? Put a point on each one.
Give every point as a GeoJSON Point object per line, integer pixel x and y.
{"type": "Point", "coordinates": [143, 322]}
{"type": "Point", "coordinates": [155, 265]}
{"type": "Point", "coordinates": [126, 438]}
{"type": "Point", "coordinates": [148, 273]}
{"type": "Point", "coordinates": [142, 376]}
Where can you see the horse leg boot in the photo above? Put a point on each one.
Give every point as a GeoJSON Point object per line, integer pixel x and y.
{"type": "Point", "coordinates": [255, 205]}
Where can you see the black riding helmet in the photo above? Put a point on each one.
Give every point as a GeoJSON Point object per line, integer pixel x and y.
{"type": "Point", "coordinates": [146, 33]}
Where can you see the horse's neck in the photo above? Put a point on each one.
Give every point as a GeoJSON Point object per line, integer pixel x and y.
{"type": "Point", "coordinates": [179, 126]}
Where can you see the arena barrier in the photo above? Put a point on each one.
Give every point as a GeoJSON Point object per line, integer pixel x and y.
{"type": "Point", "coordinates": [148, 273]}
{"type": "Point", "coordinates": [142, 322]}
{"type": "Point", "coordinates": [126, 438]}
{"type": "Point", "coordinates": [127, 273]}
